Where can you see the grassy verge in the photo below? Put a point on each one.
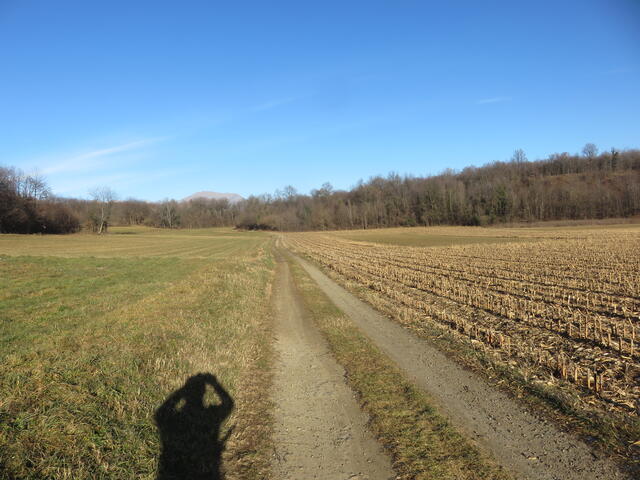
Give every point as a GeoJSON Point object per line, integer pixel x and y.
{"type": "Point", "coordinates": [422, 443]}
{"type": "Point", "coordinates": [90, 348]}
{"type": "Point", "coordinates": [610, 433]}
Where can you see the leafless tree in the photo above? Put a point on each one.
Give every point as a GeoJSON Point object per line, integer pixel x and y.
{"type": "Point", "coordinates": [132, 211]}
{"type": "Point", "coordinates": [26, 205]}
{"type": "Point", "coordinates": [35, 186]}
{"type": "Point", "coordinates": [100, 214]}
{"type": "Point", "coordinates": [590, 150]}
{"type": "Point", "coordinates": [169, 214]}
{"type": "Point", "coordinates": [519, 156]}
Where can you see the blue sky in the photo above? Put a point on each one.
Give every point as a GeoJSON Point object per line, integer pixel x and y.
{"type": "Point", "coordinates": [162, 99]}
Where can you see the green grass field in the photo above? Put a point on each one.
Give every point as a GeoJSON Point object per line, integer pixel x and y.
{"type": "Point", "coordinates": [135, 242]}
{"type": "Point", "coordinates": [97, 332]}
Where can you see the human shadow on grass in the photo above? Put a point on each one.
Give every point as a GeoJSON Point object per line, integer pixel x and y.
{"type": "Point", "coordinates": [190, 431]}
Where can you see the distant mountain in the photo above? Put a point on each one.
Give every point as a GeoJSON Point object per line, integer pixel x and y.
{"type": "Point", "coordinates": [232, 197]}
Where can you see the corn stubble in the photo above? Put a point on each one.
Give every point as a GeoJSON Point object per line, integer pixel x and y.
{"type": "Point", "coordinates": [560, 310]}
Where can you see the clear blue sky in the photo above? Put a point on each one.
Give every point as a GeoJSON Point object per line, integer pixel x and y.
{"type": "Point", "coordinates": [161, 99]}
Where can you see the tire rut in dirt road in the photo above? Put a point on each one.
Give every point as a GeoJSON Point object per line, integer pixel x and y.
{"type": "Point", "coordinates": [320, 432]}
{"type": "Point", "coordinates": [522, 443]}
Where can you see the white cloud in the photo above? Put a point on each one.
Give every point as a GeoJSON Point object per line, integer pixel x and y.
{"type": "Point", "coordinates": [485, 101]}
{"type": "Point", "coordinates": [90, 160]}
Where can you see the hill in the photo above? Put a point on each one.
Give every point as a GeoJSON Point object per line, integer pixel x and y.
{"type": "Point", "coordinates": [561, 187]}
{"type": "Point", "coordinates": [231, 197]}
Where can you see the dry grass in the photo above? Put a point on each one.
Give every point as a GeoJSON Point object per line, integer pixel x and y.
{"type": "Point", "coordinates": [90, 347]}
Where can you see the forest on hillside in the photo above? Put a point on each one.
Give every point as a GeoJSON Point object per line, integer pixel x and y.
{"type": "Point", "coordinates": [28, 206]}
{"type": "Point", "coordinates": [562, 186]}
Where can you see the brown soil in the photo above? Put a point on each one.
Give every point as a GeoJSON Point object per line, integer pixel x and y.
{"type": "Point", "coordinates": [320, 432]}
{"type": "Point", "coordinates": [528, 446]}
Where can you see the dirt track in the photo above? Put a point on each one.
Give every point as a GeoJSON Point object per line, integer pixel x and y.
{"type": "Point", "coordinates": [320, 432]}
{"type": "Point", "coordinates": [522, 443]}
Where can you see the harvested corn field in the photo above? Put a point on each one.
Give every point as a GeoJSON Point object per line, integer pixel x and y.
{"type": "Point", "coordinates": [562, 309]}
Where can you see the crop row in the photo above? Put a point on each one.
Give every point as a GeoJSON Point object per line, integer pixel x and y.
{"type": "Point", "coordinates": [566, 307]}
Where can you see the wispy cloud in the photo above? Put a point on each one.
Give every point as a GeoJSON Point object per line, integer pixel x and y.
{"type": "Point", "coordinates": [91, 159]}
{"type": "Point", "coordinates": [485, 101]}
{"type": "Point", "coordinates": [79, 186]}
{"type": "Point", "coordinates": [275, 103]}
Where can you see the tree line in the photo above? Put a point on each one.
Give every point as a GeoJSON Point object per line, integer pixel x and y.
{"type": "Point", "coordinates": [27, 206]}
{"type": "Point", "coordinates": [563, 186]}
{"type": "Point", "coordinates": [590, 185]}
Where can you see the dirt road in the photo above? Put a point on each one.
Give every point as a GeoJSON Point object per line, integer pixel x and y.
{"type": "Point", "coordinates": [522, 443]}
{"type": "Point", "coordinates": [320, 432]}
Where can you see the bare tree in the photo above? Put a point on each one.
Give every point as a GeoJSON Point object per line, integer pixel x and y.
{"type": "Point", "coordinates": [289, 193]}
{"type": "Point", "coordinates": [590, 150]}
{"type": "Point", "coordinates": [26, 205]}
{"type": "Point", "coordinates": [35, 187]}
{"type": "Point", "coordinates": [169, 214]}
{"type": "Point", "coordinates": [132, 211]}
{"type": "Point", "coordinates": [519, 156]}
{"type": "Point", "coordinates": [100, 214]}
